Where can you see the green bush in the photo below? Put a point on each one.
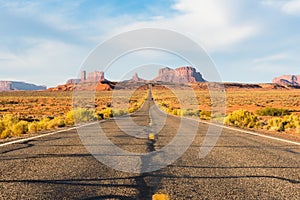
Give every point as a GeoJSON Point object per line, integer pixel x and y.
{"type": "Point", "coordinates": [242, 118]}
{"type": "Point", "coordinates": [273, 112]}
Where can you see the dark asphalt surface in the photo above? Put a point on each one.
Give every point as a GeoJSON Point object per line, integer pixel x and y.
{"type": "Point", "coordinates": [240, 166]}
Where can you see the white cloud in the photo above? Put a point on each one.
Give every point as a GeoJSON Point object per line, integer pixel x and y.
{"type": "Point", "coordinates": [271, 58]}
{"type": "Point", "coordinates": [211, 23]}
{"type": "Point", "coordinates": [46, 61]}
{"type": "Point", "coordinates": [291, 7]}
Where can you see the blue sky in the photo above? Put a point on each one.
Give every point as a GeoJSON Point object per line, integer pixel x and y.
{"type": "Point", "coordinates": [45, 42]}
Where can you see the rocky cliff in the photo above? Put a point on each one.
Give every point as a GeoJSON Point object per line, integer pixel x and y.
{"type": "Point", "coordinates": [136, 78]}
{"type": "Point", "coordinates": [14, 85]}
{"type": "Point", "coordinates": [288, 80]}
{"type": "Point", "coordinates": [179, 75]}
{"type": "Point", "coordinates": [87, 86]}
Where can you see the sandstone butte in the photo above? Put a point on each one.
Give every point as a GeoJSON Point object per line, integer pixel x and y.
{"type": "Point", "coordinates": [88, 80]}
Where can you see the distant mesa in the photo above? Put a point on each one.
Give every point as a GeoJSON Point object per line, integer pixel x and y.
{"type": "Point", "coordinates": [179, 75]}
{"type": "Point", "coordinates": [92, 77]}
{"type": "Point", "coordinates": [185, 74]}
{"type": "Point", "coordinates": [293, 80]}
{"type": "Point", "coordinates": [87, 81]}
{"type": "Point", "coordinates": [16, 85]}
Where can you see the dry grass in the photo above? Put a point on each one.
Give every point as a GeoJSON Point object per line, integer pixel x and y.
{"type": "Point", "coordinates": [242, 107]}
{"type": "Point", "coordinates": [28, 112]}
{"type": "Point", "coordinates": [39, 104]}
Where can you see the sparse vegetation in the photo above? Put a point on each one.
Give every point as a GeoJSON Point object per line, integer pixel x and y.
{"type": "Point", "coordinates": [273, 112]}
{"type": "Point", "coordinates": [242, 118]}
{"type": "Point", "coordinates": [205, 115]}
{"type": "Point", "coordinates": [30, 112]}
{"type": "Point", "coordinates": [12, 126]}
{"type": "Point", "coordinates": [286, 123]}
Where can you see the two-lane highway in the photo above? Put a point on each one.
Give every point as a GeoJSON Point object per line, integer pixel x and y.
{"type": "Point", "coordinates": [240, 166]}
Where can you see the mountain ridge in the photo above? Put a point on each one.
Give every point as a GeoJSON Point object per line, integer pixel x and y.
{"type": "Point", "coordinates": [19, 85]}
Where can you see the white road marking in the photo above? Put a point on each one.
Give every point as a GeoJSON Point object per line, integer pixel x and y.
{"type": "Point", "coordinates": [209, 123]}
{"type": "Point", "coordinates": [239, 130]}
{"type": "Point", "coordinates": [249, 132]}
{"type": "Point", "coordinates": [43, 135]}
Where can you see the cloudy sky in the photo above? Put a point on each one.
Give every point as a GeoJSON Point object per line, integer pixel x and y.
{"type": "Point", "coordinates": [46, 42]}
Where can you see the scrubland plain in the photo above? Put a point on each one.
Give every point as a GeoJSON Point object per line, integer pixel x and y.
{"type": "Point", "coordinates": [24, 112]}
{"type": "Point", "coordinates": [274, 110]}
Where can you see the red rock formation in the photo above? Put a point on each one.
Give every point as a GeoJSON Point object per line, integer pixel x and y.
{"type": "Point", "coordinates": [73, 81]}
{"type": "Point", "coordinates": [287, 80]}
{"type": "Point", "coordinates": [179, 75]}
{"type": "Point", "coordinates": [95, 76]}
{"type": "Point", "coordinates": [136, 78]}
{"type": "Point", "coordinates": [87, 86]}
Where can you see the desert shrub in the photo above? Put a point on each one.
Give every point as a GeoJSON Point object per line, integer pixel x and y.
{"type": "Point", "coordinates": [205, 115]}
{"type": "Point", "coordinates": [177, 112]}
{"type": "Point", "coordinates": [282, 124]}
{"type": "Point", "coordinates": [291, 121]}
{"type": "Point", "coordinates": [69, 120]}
{"type": "Point", "coordinates": [60, 122]}
{"type": "Point", "coordinates": [33, 127]}
{"type": "Point", "coordinates": [79, 115]}
{"type": "Point", "coordinates": [273, 112]}
{"type": "Point", "coordinates": [117, 113]}
{"type": "Point", "coordinates": [20, 128]}
{"type": "Point", "coordinates": [9, 120]}
{"type": "Point", "coordinates": [190, 112]}
{"type": "Point", "coordinates": [276, 124]}
{"type": "Point", "coordinates": [43, 124]}
{"type": "Point", "coordinates": [107, 113]}
{"type": "Point", "coordinates": [2, 127]}
{"type": "Point", "coordinates": [242, 118]}
{"type": "Point", "coordinates": [6, 133]}
{"type": "Point", "coordinates": [132, 109]}
{"type": "Point", "coordinates": [7, 125]}
{"type": "Point", "coordinates": [55, 123]}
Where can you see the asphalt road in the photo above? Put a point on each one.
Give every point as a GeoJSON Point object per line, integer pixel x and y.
{"type": "Point", "coordinates": [59, 166]}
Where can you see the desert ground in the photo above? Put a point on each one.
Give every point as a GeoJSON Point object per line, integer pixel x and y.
{"type": "Point", "coordinates": [196, 102]}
